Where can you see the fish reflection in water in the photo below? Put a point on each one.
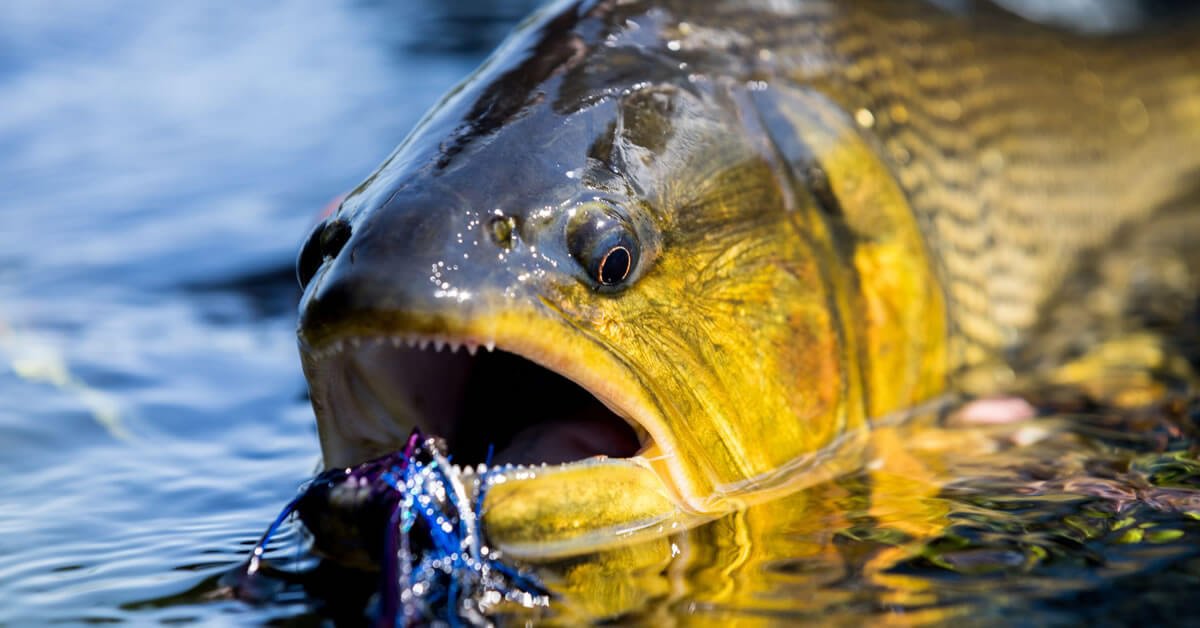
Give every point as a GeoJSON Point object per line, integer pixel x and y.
{"type": "Point", "coordinates": [1060, 518]}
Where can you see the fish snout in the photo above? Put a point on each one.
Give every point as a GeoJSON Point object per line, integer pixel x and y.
{"type": "Point", "coordinates": [411, 265]}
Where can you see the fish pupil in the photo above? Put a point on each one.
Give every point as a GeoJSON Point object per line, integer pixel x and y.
{"type": "Point", "coordinates": [614, 266]}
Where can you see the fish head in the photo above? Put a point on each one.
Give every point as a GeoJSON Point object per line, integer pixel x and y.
{"type": "Point", "coordinates": [642, 271]}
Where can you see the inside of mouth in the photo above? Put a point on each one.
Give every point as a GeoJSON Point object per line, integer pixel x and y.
{"type": "Point", "coordinates": [497, 402]}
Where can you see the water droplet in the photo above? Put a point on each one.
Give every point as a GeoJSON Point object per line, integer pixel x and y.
{"type": "Point", "coordinates": [864, 118]}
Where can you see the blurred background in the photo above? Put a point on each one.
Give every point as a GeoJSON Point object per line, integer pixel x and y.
{"type": "Point", "coordinates": [159, 164]}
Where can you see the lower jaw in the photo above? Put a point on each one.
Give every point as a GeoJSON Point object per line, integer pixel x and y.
{"type": "Point", "coordinates": [555, 511]}
{"type": "Point", "coordinates": [533, 513]}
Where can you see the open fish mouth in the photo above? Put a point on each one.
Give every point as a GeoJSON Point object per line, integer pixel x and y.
{"type": "Point", "coordinates": [572, 458]}
{"type": "Point", "coordinates": [487, 403]}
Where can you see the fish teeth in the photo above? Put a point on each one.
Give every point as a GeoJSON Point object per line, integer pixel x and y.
{"type": "Point", "coordinates": [435, 342]}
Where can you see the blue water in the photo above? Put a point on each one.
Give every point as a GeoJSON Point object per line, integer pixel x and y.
{"type": "Point", "coordinates": [160, 162]}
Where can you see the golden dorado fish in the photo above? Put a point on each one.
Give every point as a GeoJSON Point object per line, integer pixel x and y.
{"type": "Point", "coordinates": [704, 246]}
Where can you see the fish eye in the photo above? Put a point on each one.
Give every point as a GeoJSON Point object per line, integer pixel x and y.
{"type": "Point", "coordinates": [604, 245]}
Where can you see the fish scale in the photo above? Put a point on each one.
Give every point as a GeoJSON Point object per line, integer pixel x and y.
{"type": "Point", "coordinates": [1018, 145]}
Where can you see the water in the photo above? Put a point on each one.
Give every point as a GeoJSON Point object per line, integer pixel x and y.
{"type": "Point", "coordinates": [161, 163]}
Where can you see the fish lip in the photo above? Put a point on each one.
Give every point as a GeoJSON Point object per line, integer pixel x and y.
{"type": "Point", "coordinates": [645, 420]}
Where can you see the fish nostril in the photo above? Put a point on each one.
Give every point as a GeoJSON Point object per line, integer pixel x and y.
{"type": "Point", "coordinates": [501, 229]}
{"type": "Point", "coordinates": [324, 243]}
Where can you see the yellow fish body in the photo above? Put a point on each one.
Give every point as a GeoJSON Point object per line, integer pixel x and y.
{"type": "Point", "coordinates": [704, 246]}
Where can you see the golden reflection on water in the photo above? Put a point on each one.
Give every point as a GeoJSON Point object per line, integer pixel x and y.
{"type": "Point", "coordinates": [942, 523]}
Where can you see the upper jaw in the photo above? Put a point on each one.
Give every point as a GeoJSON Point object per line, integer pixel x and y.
{"type": "Point", "coordinates": [425, 342]}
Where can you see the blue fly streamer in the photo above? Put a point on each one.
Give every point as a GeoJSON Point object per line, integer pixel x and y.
{"type": "Point", "coordinates": [435, 564]}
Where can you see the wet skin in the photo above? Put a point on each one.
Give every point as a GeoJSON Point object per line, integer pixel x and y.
{"type": "Point", "coordinates": [702, 231]}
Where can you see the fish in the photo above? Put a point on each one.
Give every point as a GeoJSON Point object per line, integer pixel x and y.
{"type": "Point", "coordinates": [656, 261]}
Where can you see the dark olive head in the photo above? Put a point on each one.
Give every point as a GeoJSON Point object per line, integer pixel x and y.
{"type": "Point", "coordinates": [592, 203]}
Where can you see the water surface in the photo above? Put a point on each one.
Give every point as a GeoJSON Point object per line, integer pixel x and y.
{"type": "Point", "coordinates": [161, 162]}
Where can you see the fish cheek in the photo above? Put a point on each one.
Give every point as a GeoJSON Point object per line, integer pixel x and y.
{"type": "Point", "coordinates": [797, 375]}
{"type": "Point", "coordinates": [812, 366]}
{"type": "Point", "coordinates": [750, 354]}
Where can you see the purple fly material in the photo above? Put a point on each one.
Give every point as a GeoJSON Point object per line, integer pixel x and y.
{"type": "Point", "coordinates": [435, 563]}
